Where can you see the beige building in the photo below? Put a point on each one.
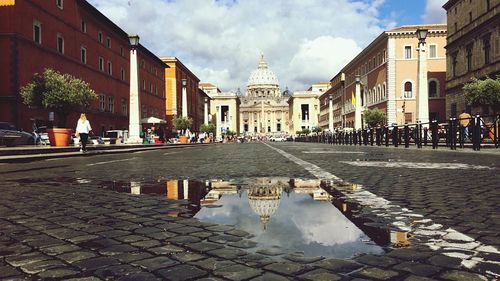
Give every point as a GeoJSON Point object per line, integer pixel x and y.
{"type": "Point", "coordinates": [304, 107]}
{"type": "Point", "coordinates": [473, 47]}
{"type": "Point", "coordinates": [263, 110]}
{"type": "Point", "coordinates": [225, 107]}
{"type": "Point", "coordinates": [385, 76]}
{"type": "Point", "coordinates": [331, 101]}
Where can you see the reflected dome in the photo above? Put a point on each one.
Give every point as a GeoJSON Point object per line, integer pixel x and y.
{"type": "Point", "coordinates": [264, 201]}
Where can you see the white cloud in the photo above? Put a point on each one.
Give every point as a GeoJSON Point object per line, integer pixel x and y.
{"type": "Point", "coordinates": [304, 41]}
{"type": "Point", "coordinates": [434, 12]}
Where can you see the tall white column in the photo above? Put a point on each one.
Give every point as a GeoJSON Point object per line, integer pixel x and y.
{"type": "Point", "coordinates": [330, 113]}
{"type": "Point", "coordinates": [135, 105]}
{"type": "Point", "coordinates": [218, 121]}
{"type": "Point", "coordinates": [184, 99]}
{"type": "Point", "coordinates": [185, 189]}
{"type": "Point", "coordinates": [357, 105]}
{"type": "Point", "coordinates": [423, 93]}
{"type": "Point", "coordinates": [205, 112]}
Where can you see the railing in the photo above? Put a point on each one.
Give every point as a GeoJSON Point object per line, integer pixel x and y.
{"type": "Point", "coordinates": [479, 131]}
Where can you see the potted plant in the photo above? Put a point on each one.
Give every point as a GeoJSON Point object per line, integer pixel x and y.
{"type": "Point", "coordinates": [182, 124]}
{"type": "Point", "coordinates": [60, 93]}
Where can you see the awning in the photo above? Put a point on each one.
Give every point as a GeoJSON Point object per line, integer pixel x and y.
{"type": "Point", "coordinates": [153, 120]}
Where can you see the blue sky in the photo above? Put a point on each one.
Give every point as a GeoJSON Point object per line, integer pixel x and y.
{"type": "Point", "coordinates": [303, 41]}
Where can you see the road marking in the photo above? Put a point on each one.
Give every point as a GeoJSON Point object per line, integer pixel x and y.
{"type": "Point", "coordinates": [449, 241]}
{"type": "Point", "coordinates": [332, 152]}
{"type": "Point", "coordinates": [112, 161]}
{"type": "Point", "coordinates": [416, 165]}
{"type": "Point", "coordinates": [173, 152]}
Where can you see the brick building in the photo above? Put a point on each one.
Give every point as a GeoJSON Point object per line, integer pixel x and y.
{"type": "Point", "coordinates": [73, 37]}
{"type": "Point", "coordinates": [473, 47]}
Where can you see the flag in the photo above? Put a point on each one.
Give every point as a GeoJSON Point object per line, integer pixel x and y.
{"type": "Point", "coordinates": [353, 98]}
{"type": "Point", "coordinates": [7, 2]}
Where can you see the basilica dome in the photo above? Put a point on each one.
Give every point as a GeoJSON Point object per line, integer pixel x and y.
{"type": "Point", "coordinates": [264, 201]}
{"type": "Point", "coordinates": [262, 75]}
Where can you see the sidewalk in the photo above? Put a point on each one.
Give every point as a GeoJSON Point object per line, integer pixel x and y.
{"type": "Point", "coordinates": [32, 152]}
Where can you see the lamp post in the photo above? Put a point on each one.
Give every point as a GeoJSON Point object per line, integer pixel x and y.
{"type": "Point", "coordinates": [330, 113]}
{"type": "Point", "coordinates": [184, 98]}
{"type": "Point", "coordinates": [357, 105]}
{"type": "Point", "coordinates": [205, 112]}
{"type": "Point", "coordinates": [423, 94]}
{"type": "Point", "coordinates": [134, 112]}
{"type": "Point", "coordinates": [218, 121]}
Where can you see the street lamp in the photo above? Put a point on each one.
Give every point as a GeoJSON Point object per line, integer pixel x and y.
{"type": "Point", "coordinates": [184, 98]}
{"type": "Point", "coordinates": [330, 113]}
{"type": "Point", "coordinates": [134, 112]}
{"type": "Point", "coordinates": [205, 112]}
{"type": "Point", "coordinates": [423, 94]}
{"type": "Point", "coordinates": [357, 104]}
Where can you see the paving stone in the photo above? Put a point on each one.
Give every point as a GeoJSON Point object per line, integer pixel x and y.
{"type": "Point", "coordinates": [410, 254]}
{"type": "Point", "coordinates": [166, 250]}
{"type": "Point", "coordinates": [220, 228]}
{"type": "Point", "coordinates": [83, 238]}
{"type": "Point", "coordinates": [184, 239]}
{"type": "Point", "coordinates": [116, 271]}
{"type": "Point", "coordinates": [130, 257]}
{"type": "Point", "coordinates": [302, 259]}
{"type": "Point", "coordinates": [182, 272]}
{"type": "Point", "coordinates": [287, 268]}
{"type": "Point", "coordinates": [223, 239]}
{"type": "Point", "coordinates": [146, 244]}
{"type": "Point", "coordinates": [378, 261]}
{"type": "Point", "coordinates": [76, 256]}
{"type": "Point", "coordinates": [160, 235]}
{"type": "Point", "coordinates": [114, 233]}
{"type": "Point", "coordinates": [271, 251]}
{"type": "Point", "coordinates": [374, 273]}
{"type": "Point", "coordinates": [186, 230]}
{"type": "Point", "coordinates": [457, 275]}
{"type": "Point", "coordinates": [139, 277]}
{"type": "Point", "coordinates": [186, 256]}
{"type": "Point", "coordinates": [24, 259]}
{"type": "Point", "coordinates": [57, 273]}
{"type": "Point", "coordinates": [320, 275]}
{"type": "Point", "coordinates": [268, 276]}
{"type": "Point", "coordinates": [130, 238]}
{"type": "Point", "coordinates": [243, 244]}
{"type": "Point", "coordinates": [95, 263]}
{"type": "Point", "coordinates": [338, 265]}
{"type": "Point", "coordinates": [417, 268]}
{"type": "Point", "coordinates": [202, 235]}
{"type": "Point", "coordinates": [8, 271]}
{"type": "Point", "coordinates": [117, 249]}
{"type": "Point", "coordinates": [227, 253]}
{"type": "Point", "coordinates": [39, 266]}
{"type": "Point", "coordinates": [204, 247]}
{"type": "Point", "coordinates": [418, 278]}
{"type": "Point", "coordinates": [91, 278]}
{"type": "Point", "coordinates": [155, 263]}
{"type": "Point", "coordinates": [212, 263]}
{"type": "Point", "coordinates": [60, 249]}
{"type": "Point", "coordinates": [445, 261]}
{"type": "Point", "coordinates": [238, 272]}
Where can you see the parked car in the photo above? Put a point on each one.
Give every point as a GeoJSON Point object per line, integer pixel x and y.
{"type": "Point", "coordinates": [11, 136]}
{"type": "Point", "coordinates": [278, 138]}
{"type": "Point", "coordinates": [41, 136]}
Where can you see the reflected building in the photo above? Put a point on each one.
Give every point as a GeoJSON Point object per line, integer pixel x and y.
{"type": "Point", "coordinates": [263, 109]}
{"type": "Point", "coordinates": [218, 188]}
{"type": "Point", "coordinates": [264, 198]}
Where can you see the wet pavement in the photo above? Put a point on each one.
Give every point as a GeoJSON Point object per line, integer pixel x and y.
{"type": "Point", "coordinates": [132, 217]}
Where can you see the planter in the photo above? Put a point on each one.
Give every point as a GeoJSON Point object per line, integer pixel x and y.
{"type": "Point", "coordinates": [183, 139]}
{"type": "Point", "coordinates": [59, 136]}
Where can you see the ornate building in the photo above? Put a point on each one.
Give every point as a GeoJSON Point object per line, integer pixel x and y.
{"type": "Point", "coordinates": [263, 109]}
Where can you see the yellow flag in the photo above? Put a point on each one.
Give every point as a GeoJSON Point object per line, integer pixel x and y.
{"type": "Point", "coordinates": [353, 98]}
{"type": "Point", "coordinates": [7, 2]}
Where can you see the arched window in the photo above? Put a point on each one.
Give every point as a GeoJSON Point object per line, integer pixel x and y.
{"type": "Point", "coordinates": [408, 90]}
{"type": "Point", "coordinates": [384, 92]}
{"type": "Point", "coordinates": [433, 89]}
{"type": "Point", "coordinates": [379, 93]}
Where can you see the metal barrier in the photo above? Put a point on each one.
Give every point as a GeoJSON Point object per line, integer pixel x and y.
{"type": "Point", "coordinates": [478, 132]}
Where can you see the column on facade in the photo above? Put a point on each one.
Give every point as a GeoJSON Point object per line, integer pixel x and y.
{"type": "Point", "coordinates": [423, 93]}
{"type": "Point", "coordinates": [357, 105]}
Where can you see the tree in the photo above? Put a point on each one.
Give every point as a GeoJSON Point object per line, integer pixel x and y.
{"type": "Point", "coordinates": [484, 93]}
{"type": "Point", "coordinates": [208, 128]}
{"type": "Point", "coordinates": [374, 117]}
{"type": "Point", "coordinates": [317, 130]}
{"type": "Point", "coordinates": [182, 123]}
{"type": "Point", "coordinates": [304, 132]}
{"type": "Point", "coordinates": [61, 93]}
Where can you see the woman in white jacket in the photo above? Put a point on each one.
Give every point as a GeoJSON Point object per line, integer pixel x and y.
{"type": "Point", "coordinates": [82, 130]}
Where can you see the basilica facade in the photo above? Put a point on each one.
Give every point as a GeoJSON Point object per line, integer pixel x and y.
{"type": "Point", "coordinates": [264, 108]}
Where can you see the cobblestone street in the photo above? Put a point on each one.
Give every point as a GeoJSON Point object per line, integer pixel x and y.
{"type": "Point", "coordinates": [58, 222]}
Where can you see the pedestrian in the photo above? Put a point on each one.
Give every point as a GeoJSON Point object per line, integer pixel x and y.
{"type": "Point", "coordinates": [82, 130]}
{"type": "Point", "coordinates": [464, 121]}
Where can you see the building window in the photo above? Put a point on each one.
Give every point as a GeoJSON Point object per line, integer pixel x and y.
{"type": "Point", "coordinates": [60, 4]}
{"type": "Point", "coordinates": [108, 42]}
{"type": "Point", "coordinates": [83, 55]}
{"type": "Point", "coordinates": [432, 51]}
{"type": "Point", "coordinates": [470, 17]}
{"type": "Point", "coordinates": [454, 62]}
{"type": "Point", "coordinates": [60, 43]}
{"type": "Point", "coordinates": [121, 51]}
{"type": "Point", "coordinates": [151, 87]}
{"type": "Point", "coordinates": [143, 64]}
{"type": "Point", "coordinates": [111, 104]}
{"type": "Point", "coordinates": [99, 37]}
{"type": "Point", "coordinates": [469, 56]}
{"type": "Point", "coordinates": [37, 32]}
{"type": "Point", "coordinates": [102, 103]}
{"type": "Point", "coordinates": [407, 52]}
{"type": "Point", "coordinates": [433, 89]}
{"type": "Point", "coordinates": [144, 111]}
{"type": "Point", "coordinates": [124, 106]}
{"type": "Point", "coordinates": [487, 49]}
{"type": "Point", "coordinates": [83, 26]}
{"type": "Point", "coordinates": [408, 90]}
{"type": "Point", "coordinates": [101, 64]}
{"type": "Point", "coordinates": [488, 5]}
{"type": "Point", "coordinates": [409, 117]}
{"type": "Point", "coordinates": [110, 68]}
{"type": "Point", "coordinates": [144, 85]}
{"type": "Point", "coordinates": [122, 74]}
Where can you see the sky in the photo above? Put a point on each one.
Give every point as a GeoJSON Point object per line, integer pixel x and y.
{"type": "Point", "coordinates": [303, 41]}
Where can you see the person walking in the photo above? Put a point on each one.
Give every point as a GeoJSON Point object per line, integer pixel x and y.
{"type": "Point", "coordinates": [82, 130]}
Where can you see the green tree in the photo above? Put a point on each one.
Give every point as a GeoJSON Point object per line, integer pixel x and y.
{"type": "Point", "coordinates": [61, 93]}
{"type": "Point", "coordinates": [304, 132]}
{"type": "Point", "coordinates": [208, 128]}
{"type": "Point", "coordinates": [374, 117]}
{"type": "Point", "coordinates": [485, 93]}
{"type": "Point", "coordinates": [317, 130]}
{"type": "Point", "coordinates": [182, 123]}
